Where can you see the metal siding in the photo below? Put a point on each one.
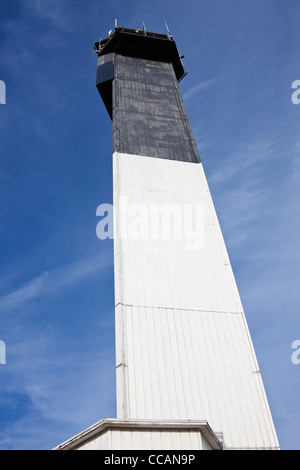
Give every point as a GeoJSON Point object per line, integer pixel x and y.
{"type": "Point", "coordinates": [205, 445]}
{"type": "Point", "coordinates": [187, 352]}
{"type": "Point", "coordinates": [227, 395]}
{"type": "Point", "coordinates": [149, 116]}
{"type": "Point", "coordinates": [105, 72]}
{"type": "Point", "coordinates": [109, 434]}
{"type": "Point", "coordinates": [199, 279]}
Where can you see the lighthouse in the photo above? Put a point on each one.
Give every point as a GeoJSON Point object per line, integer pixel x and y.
{"type": "Point", "coordinates": [187, 376]}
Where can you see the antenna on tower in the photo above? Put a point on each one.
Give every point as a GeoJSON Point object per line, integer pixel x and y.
{"type": "Point", "coordinates": [168, 32]}
{"type": "Point", "coordinates": [144, 28]}
{"type": "Point", "coordinates": [116, 23]}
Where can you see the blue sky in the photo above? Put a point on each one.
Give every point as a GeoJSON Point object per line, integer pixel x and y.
{"type": "Point", "coordinates": [56, 291]}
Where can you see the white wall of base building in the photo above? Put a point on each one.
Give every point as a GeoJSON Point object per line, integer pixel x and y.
{"type": "Point", "coordinates": [114, 434]}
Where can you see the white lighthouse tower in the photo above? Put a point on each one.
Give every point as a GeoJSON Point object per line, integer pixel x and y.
{"type": "Point", "coordinates": [187, 374]}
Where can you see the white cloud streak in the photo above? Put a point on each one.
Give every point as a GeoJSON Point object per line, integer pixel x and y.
{"type": "Point", "coordinates": [53, 281]}
{"type": "Point", "coordinates": [199, 88]}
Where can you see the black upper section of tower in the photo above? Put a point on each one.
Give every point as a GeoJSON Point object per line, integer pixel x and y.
{"type": "Point", "coordinates": [137, 78]}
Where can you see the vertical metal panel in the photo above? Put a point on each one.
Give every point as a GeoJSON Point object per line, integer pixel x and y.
{"type": "Point", "coordinates": [227, 394]}
{"type": "Point", "coordinates": [149, 116]}
{"type": "Point", "coordinates": [134, 439]}
{"type": "Point", "coordinates": [197, 278]}
{"type": "Point", "coordinates": [187, 351]}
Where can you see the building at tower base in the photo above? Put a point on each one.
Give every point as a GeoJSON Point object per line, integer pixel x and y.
{"type": "Point", "coordinates": [115, 434]}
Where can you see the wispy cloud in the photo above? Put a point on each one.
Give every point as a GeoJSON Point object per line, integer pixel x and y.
{"type": "Point", "coordinates": [50, 371]}
{"type": "Point", "coordinates": [252, 195]}
{"type": "Point", "coordinates": [246, 161]}
{"type": "Point", "coordinates": [53, 281]}
{"type": "Point", "coordinates": [199, 88]}
{"type": "Point", "coordinates": [48, 9]}
{"type": "Point", "coordinates": [49, 382]}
